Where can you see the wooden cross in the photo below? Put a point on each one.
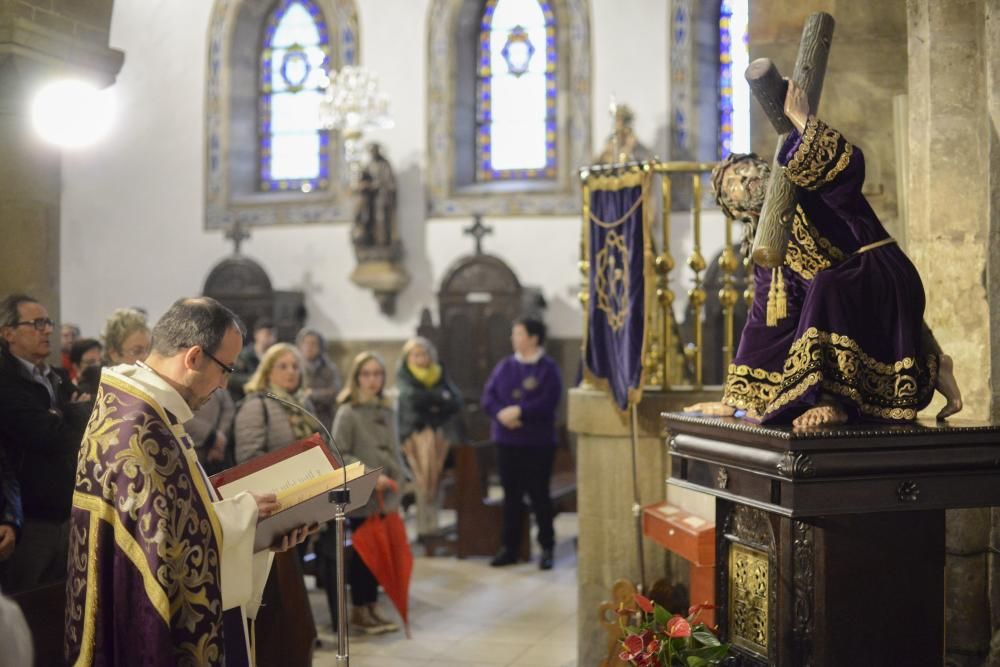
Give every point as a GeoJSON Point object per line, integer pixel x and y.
{"type": "Point", "coordinates": [769, 89]}
{"type": "Point", "coordinates": [477, 230]}
{"type": "Point", "coordinates": [237, 235]}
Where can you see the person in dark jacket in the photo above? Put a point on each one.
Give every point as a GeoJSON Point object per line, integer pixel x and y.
{"type": "Point", "coordinates": [521, 397]}
{"type": "Point", "coordinates": [430, 421]}
{"type": "Point", "coordinates": [321, 380]}
{"type": "Point", "coordinates": [42, 419]}
{"type": "Point", "coordinates": [11, 512]}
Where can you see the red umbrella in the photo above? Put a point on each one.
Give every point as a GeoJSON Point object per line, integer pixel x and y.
{"type": "Point", "coordinates": [382, 544]}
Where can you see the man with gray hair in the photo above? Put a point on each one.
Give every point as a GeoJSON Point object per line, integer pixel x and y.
{"type": "Point", "coordinates": [155, 556]}
{"type": "Point", "coordinates": [41, 421]}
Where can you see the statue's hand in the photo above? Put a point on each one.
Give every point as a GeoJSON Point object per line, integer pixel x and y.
{"type": "Point", "coordinates": [796, 106]}
{"type": "Point", "coordinates": [712, 409]}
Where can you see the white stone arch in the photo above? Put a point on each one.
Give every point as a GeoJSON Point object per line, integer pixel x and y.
{"type": "Point", "coordinates": [453, 29]}
{"type": "Point", "coordinates": [235, 36]}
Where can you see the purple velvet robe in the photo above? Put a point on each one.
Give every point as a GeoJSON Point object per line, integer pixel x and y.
{"type": "Point", "coordinates": [143, 582]}
{"type": "Point", "coordinates": [854, 315]}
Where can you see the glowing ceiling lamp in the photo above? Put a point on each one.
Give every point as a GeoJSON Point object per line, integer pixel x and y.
{"type": "Point", "coordinates": [71, 113]}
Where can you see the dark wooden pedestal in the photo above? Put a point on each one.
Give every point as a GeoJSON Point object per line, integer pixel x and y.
{"type": "Point", "coordinates": [830, 543]}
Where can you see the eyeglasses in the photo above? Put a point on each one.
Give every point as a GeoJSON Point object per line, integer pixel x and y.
{"type": "Point", "coordinates": [40, 323]}
{"type": "Point", "coordinates": [228, 370]}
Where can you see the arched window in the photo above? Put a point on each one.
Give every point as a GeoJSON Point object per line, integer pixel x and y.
{"type": "Point", "coordinates": [734, 93]}
{"type": "Point", "coordinates": [267, 160]}
{"type": "Point", "coordinates": [508, 87]}
{"type": "Point", "coordinates": [516, 100]}
{"type": "Point", "coordinates": [294, 62]}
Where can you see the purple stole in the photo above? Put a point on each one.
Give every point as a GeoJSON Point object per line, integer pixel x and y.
{"type": "Point", "coordinates": [143, 584]}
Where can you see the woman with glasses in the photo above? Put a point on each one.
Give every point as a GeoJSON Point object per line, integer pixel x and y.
{"type": "Point", "coordinates": [365, 430]}
{"type": "Point", "coordinates": [126, 337]}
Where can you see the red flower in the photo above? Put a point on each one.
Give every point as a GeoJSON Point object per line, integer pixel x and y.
{"type": "Point", "coordinates": [644, 603]}
{"type": "Point", "coordinates": [633, 646]}
{"type": "Point", "coordinates": [678, 626]}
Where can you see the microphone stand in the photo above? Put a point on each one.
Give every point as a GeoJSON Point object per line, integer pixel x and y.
{"type": "Point", "coordinates": [341, 498]}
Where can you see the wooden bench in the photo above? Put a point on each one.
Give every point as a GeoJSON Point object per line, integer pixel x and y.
{"type": "Point", "coordinates": [480, 518]}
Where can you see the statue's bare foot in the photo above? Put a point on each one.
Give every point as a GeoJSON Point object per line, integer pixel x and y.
{"type": "Point", "coordinates": [825, 414]}
{"type": "Point", "coordinates": [948, 386]}
{"type": "Point", "coordinates": [712, 409]}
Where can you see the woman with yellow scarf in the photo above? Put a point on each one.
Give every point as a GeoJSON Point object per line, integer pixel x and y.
{"type": "Point", "coordinates": [430, 420]}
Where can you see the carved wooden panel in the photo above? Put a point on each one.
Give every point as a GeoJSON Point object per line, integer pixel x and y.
{"type": "Point", "coordinates": [243, 285]}
{"type": "Point", "coordinates": [479, 298]}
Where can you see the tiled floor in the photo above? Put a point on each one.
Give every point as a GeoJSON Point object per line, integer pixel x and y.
{"type": "Point", "coordinates": [463, 612]}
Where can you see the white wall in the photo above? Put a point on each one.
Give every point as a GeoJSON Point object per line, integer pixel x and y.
{"type": "Point", "coordinates": [133, 230]}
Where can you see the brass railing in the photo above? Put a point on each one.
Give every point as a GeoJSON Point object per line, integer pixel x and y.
{"type": "Point", "coordinates": [668, 364]}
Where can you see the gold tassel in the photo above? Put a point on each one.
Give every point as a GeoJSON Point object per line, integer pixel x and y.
{"type": "Point", "coordinates": [781, 307]}
{"type": "Point", "coordinates": [777, 303]}
{"type": "Point", "coordinates": [772, 293]}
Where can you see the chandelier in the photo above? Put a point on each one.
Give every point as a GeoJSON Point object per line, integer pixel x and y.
{"type": "Point", "coordinates": [353, 105]}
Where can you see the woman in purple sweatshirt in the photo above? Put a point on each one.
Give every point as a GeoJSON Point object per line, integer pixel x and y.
{"type": "Point", "coordinates": [521, 397]}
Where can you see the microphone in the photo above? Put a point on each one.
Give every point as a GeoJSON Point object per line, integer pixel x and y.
{"type": "Point", "coordinates": [333, 441]}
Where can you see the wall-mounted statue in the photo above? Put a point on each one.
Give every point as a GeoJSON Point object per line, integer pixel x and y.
{"type": "Point", "coordinates": [375, 234]}
{"type": "Point", "coordinates": [375, 217]}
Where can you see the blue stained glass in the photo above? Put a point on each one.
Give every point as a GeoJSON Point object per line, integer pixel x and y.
{"type": "Point", "coordinates": [517, 93]}
{"type": "Point", "coordinates": [734, 92]}
{"type": "Point", "coordinates": [294, 149]}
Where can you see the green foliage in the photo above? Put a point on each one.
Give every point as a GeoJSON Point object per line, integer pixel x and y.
{"type": "Point", "coordinates": [655, 638]}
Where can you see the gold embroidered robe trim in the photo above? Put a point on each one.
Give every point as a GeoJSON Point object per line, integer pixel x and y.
{"type": "Point", "coordinates": [886, 390]}
{"type": "Point", "coordinates": [750, 389]}
{"type": "Point", "coordinates": [809, 252]}
{"type": "Point", "coordinates": [892, 391]}
{"type": "Point", "coordinates": [820, 157]}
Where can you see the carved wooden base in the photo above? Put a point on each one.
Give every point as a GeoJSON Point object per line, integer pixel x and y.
{"type": "Point", "coordinates": [863, 589]}
{"type": "Point", "coordinates": [830, 542]}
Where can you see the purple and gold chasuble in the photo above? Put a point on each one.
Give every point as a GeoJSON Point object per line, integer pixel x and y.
{"type": "Point", "coordinates": [855, 306]}
{"type": "Point", "coordinates": [143, 581]}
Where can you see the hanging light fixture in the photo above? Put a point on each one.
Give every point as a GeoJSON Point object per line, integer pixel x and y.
{"type": "Point", "coordinates": [353, 105]}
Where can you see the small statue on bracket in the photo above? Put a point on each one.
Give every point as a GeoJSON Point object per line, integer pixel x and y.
{"type": "Point", "coordinates": [375, 218]}
{"type": "Point", "coordinates": [622, 145]}
{"type": "Point", "coordinates": [375, 236]}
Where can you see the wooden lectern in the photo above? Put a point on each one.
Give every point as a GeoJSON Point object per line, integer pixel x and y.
{"type": "Point", "coordinates": [830, 543]}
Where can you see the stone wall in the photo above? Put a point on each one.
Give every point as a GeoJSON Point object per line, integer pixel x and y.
{"type": "Point", "coordinates": [952, 189]}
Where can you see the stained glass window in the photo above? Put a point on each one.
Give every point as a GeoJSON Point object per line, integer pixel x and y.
{"type": "Point", "coordinates": [516, 96]}
{"type": "Point", "coordinates": [294, 149]}
{"type": "Point", "coordinates": [734, 93]}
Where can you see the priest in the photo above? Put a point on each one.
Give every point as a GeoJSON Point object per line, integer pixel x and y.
{"type": "Point", "coordinates": [161, 571]}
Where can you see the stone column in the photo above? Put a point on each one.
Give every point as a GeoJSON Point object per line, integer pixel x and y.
{"type": "Point", "coordinates": [951, 153]}
{"type": "Point", "coordinates": [41, 40]}
{"type": "Point", "coordinates": [607, 546]}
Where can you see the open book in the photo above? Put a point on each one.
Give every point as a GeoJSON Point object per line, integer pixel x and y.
{"type": "Point", "coordinates": [301, 475]}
